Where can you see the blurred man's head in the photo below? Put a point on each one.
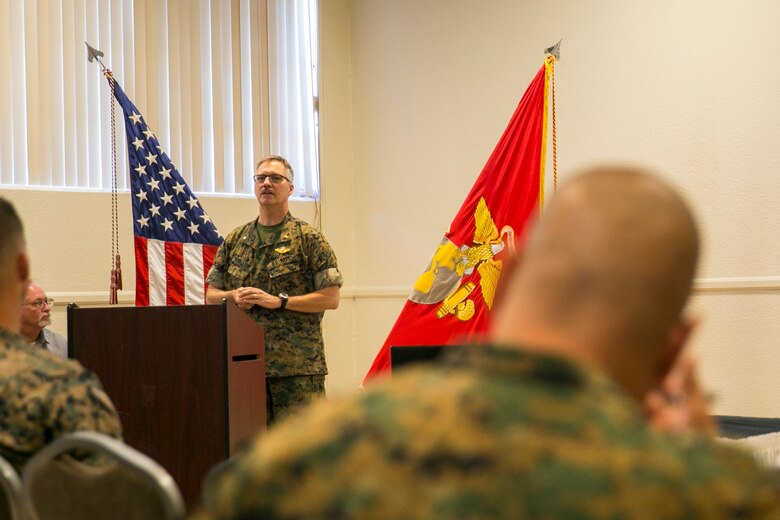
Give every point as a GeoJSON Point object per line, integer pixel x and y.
{"type": "Point", "coordinates": [12, 237]}
{"type": "Point", "coordinates": [36, 311]}
{"type": "Point", "coordinates": [14, 266]}
{"type": "Point", "coordinates": [605, 276]}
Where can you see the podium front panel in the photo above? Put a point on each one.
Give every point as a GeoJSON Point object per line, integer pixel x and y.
{"type": "Point", "coordinates": [168, 371]}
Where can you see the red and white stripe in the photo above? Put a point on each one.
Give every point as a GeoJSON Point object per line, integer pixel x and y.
{"type": "Point", "coordinates": [171, 273]}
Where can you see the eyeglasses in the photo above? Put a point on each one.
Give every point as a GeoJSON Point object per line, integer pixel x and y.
{"type": "Point", "coordinates": [41, 302]}
{"type": "Point", "coordinates": [275, 178]}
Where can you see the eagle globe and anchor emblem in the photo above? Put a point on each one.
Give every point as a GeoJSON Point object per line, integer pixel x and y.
{"type": "Point", "coordinates": [443, 279]}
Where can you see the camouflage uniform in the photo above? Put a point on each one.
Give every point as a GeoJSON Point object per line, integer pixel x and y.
{"type": "Point", "coordinates": [495, 433]}
{"type": "Point", "coordinates": [43, 397]}
{"type": "Point", "coordinates": [295, 260]}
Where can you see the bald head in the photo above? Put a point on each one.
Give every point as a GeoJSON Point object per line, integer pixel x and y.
{"type": "Point", "coordinates": [606, 272]}
{"type": "Point", "coordinates": [14, 266]}
{"type": "Point", "coordinates": [12, 237]}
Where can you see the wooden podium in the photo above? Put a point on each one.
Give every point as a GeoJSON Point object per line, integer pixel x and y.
{"type": "Point", "coordinates": [188, 382]}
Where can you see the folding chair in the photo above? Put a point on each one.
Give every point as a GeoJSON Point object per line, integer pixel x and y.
{"type": "Point", "coordinates": [89, 475]}
{"type": "Point", "coordinates": [11, 497]}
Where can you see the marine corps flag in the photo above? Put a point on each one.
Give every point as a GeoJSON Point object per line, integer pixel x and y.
{"type": "Point", "coordinates": [453, 297]}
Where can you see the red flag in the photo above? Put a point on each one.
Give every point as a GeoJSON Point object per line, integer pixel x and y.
{"type": "Point", "coordinates": [452, 299]}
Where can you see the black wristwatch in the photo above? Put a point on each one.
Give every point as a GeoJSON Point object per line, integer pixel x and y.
{"type": "Point", "coordinates": [284, 298]}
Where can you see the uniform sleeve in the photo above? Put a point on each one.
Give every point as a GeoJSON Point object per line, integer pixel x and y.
{"type": "Point", "coordinates": [216, 276]}
{"type": "Point", "coordinates": [323, 263]}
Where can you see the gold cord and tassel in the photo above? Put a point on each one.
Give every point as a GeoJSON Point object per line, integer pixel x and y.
{"type": "Point", "coordinates": [116, 261]}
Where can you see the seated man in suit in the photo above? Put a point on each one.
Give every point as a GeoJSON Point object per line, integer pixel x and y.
{"type": "Point", "coordinates": [43, 396]}
{"type": "Point", "coordinates": [36, 316]}
{"type": "Point", "coordinates": [556, 418]}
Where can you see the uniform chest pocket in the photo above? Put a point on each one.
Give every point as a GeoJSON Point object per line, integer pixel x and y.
{"type": "Point", "coordinates": [238, 272]}
{"type": "Point", "coordinates": [278, 268]}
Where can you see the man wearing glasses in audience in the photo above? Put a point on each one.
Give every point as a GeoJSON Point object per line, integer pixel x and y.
{"type": "Point", "coordinates": [36, 316]}
{"type": "Point", "coordinates": [284, 274]}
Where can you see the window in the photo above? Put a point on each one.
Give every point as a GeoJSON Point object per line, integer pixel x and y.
{"type": "Point", "coordinates": [220, 82]}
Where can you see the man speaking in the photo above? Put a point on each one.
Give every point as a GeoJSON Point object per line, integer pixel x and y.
{"type": "Point", "coordinates": [284, 274]}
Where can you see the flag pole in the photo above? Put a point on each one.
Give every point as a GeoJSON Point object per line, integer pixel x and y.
{"type": "Point", "coordinates": [555, 52]}
{"type": "Point", "coordinates": [552, 54]}
{"type": "Point", "coordinates": [94, 54]}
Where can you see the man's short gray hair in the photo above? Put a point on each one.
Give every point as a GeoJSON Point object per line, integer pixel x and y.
{"type": "Point", "coordinates": [278, 158]}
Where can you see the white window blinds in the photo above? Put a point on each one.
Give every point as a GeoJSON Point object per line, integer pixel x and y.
{"type": "Point", "coordinates": [221, 82]}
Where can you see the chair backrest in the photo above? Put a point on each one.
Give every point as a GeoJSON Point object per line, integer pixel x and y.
{"type": "Point", "coordinates": [11, 497]}
{"type": "Point", "coordinates": [91, 475]}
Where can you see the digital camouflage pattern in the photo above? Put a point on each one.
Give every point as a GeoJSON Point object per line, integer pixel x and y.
{"type": "Point", "coordinates": [496, 433]}
{"type": "Point", "coordinates": [287, 395]}
{"type": "Point", "coordinates": [43, 397]}
{"type": "Point", "coordinates": [295, 260]}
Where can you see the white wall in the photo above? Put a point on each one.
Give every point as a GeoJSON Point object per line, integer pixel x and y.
{"type": "Point", "coordinates": [686, 87]}
{"type": "Point", "coordinates": [415, 94]}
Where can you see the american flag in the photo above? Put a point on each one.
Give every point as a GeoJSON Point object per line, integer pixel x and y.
{"type": "Point", "coordinates": [175, 240]}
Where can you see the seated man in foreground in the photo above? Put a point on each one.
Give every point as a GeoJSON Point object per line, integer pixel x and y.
{"type": "Point", "coordinates": [43, 396]}
{"type": "Point", "coordinates": [557, 418]}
